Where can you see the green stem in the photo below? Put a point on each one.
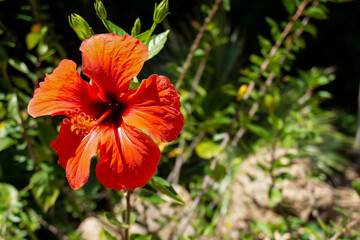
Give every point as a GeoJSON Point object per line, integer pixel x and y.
{"type": "Point", "coordinates": [106, 25]}
{"type": "Point", "coordinates": [153, 26]}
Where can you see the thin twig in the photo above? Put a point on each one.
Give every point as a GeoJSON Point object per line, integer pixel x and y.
{"type": "Point", "coordinates": [35, 11]}
{"type": "Point", "coordinates": [53, 230]}
{"type": "Point", "coordinates": [198, 75]}
{"type": "Point", "coordinates": [273, 159]}
{"type": "Point", "coordinates": [345, 229]}
{"type": "Point", "coordinates": [278, 43]}
{"type": "Point", "coordinates": [309, 188]}
{"type": "Point", "coordinates": [196, 42]}
{"type": "Point", "coordinates": [182, 157]}
{"type": "Point", "coordinates": [128, 211]}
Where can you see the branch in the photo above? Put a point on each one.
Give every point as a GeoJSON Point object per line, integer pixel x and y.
{"type": "Point", "coordinates": [345, 229]}
{"type": "Point", "coordinates": [53, 230]}
{"type": "Point", "coordinates": [278, 43]}
{"type": "Point", "coordinates": [182, 157]}
{"type": "Point", "coordinates": [196, 42]}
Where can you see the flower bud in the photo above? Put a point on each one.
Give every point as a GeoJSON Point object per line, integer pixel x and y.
{"type": "Point", "coordinates": [241, 92]}
{"type": "Point", "coordinates": [161, 11]}
{"type": "Point", "coordinates": [100, 10]}
{"type": "Point", "coordinates": [80, 26]}
{"type": "Point", "coordinates": [136, 28]}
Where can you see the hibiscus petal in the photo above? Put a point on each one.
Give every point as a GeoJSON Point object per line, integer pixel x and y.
{"type": "Point", "coordinates": [75, 153]}
{"type": "Point", "coordinates": [155, 108]}
{"type": "Point", "coordinates": [128, 158]}
{"type": "Point", "coordinates": [111, 61]}
{"type": "Point", "coordinates": [62, 91]}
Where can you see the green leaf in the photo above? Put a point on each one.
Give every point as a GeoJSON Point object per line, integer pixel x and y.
{"type": "Point", "coordinates": [134, 83]}
{"type": "Point", "coordinates": [8, 195]}
{"type": "Point", "coordinates": [219, 172]}
{"type": "Point", "coordinates": [164, 187]}
{"type": "Point", "coordinates": [227, 5]}
{"type": "Point", "coordinates": [136, 236]}
{"type": "Point", "coordinates": [207, 149]}
{"type": "Point", "coordinates": [323, 225]}
{"type": "Point", "coordinates": [108, 235]}
{"type": "Point", "coordinates": [263, 227]}
{"type": "Point", "coordinates": [290, 6]}
{"type": "Point", "coordinates": [324, 94]}
{"type": "Point", "coordinates": [25, 17]}
{"type": "Point", "coordinates": [6, 142]}
{"type": "Point", "coordinates": [113, 220]}
{"type": "Point", "coordinates": [356, 186]}
{"type": "Point", "coordinates": [44, 189]}
{"type": "Point", "coordinates": [32, 39]}
{"type": "Point", "coordinates": [143, 36]}
{"type": "Point", "coordinates": [13, 108]}
{"type": "Point", "coordinates": [18, 65]}
{"type": "Point", "coordinates": [229, 89]}
{"type": "Point", "coordinates": [341, 212]}
{"type": "Point", "coordinates": [260, 131]}
{"type": "Point", "coordinates": [156, 43]}
{"type": "Point", "coordinates": [275, 196]}
{"type": "Point", "coordinates": [150, 196]}
{"type": "Point", "coordinates": [315, 12]}
{"type": "Point", "coordinates": [116, 29]}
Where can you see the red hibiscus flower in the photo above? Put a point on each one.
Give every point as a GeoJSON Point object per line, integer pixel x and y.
{"type": "Point", "coordinates": [105, 116]}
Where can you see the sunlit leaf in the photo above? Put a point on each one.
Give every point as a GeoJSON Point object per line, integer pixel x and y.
{"type": "Point", "coordinates": [156, 43]}
{"type": "Point", "coordinates": [116, 29]}
{"type": "Point", "coordinates": [8, 194]}
{"type": "Point", "coordinates": [275, 196]}
{"type": "Point", "coordinates": [142, 37]}
{"type": "Point", "coordinates": [13, 108]}
{"type": "Point", "coordinates": [164, 187]}
{"type": "Point", "coordinates": [207, 149]}
{"type": "Point", "coordinates": [316, 12]}
{"type": "Point", "coordinates": [32, 39]}
{"type": "Point", "coordinates": [134, 83]}
{"type": "Point", "coordinates": [18, 65]}
{"type": "Point", "coordinates": [6, 142]}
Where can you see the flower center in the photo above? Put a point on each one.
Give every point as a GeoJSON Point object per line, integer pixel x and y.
{"type": "Point", "coordinates": [81, 123]}
{"type": "Point", "coordinates": [115, 112]}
